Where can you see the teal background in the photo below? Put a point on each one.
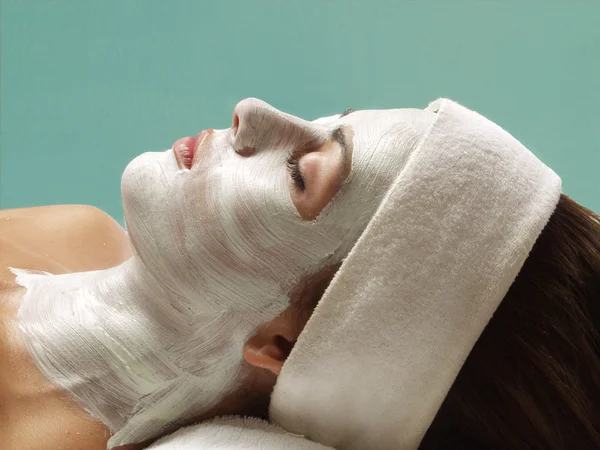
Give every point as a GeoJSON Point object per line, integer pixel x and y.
{"type": "Point", "coordinates": [87, 85]}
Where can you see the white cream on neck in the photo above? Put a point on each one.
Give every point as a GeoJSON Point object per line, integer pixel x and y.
{"type": "Point", "coordinates": [158, 340]}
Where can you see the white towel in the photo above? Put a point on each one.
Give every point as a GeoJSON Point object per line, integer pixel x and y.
{"type": "Point", "coordinates": [234, 433]}
{"type": "Point", "coordinates": [388, 338]}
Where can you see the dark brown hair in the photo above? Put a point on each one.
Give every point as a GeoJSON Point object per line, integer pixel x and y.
{"type": "Point", "coordinates": [532, 380]}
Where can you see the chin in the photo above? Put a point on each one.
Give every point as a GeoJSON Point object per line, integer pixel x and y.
{"type": "Point", "coordinates": [145, 173]}
{"type": "Point", "coordinates": [145, 185]}
{"type": "Point", "coordinates": [148, 161]}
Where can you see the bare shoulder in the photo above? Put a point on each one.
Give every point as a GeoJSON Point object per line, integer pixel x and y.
{"type": "Point", "coordinates": [74, 237]}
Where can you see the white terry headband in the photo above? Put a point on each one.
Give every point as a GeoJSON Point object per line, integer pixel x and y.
{"type": "Point", "coordinates": [387, 340]}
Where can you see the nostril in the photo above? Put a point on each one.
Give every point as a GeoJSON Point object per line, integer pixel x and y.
{"type": "Point", "coordinates": [235, 124]}
{"type": "Point", "coordinates": [246, 151]}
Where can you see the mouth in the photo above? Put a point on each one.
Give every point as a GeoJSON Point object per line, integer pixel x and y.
{"type": "Point", "coordinates": [187, 148]}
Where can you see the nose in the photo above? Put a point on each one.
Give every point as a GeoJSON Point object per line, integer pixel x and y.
{"type": "Point", "coordinates": [257, 126]}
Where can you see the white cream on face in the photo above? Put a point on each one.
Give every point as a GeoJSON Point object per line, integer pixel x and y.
{"type": "Point", "coordinates": [218, 249]}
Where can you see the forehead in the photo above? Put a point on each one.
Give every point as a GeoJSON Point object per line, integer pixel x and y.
{"type": "Point", "coordinates": [381, 129]}
{"type": "Point", "coordinates": [366, 116]}
{"type": "Point", "coordinates": [371, 125]}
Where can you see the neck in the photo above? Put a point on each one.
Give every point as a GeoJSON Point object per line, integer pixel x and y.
{"type": "Point", "coordinates": [136, 355]}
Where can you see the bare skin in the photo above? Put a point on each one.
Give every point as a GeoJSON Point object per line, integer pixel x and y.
{"type": "Point", "coordinates": [37, 415]}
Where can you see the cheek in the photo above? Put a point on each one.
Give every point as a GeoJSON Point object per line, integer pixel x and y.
{"type": "Point", "coordinates": [235, 213]}
{"type": "Point", "coordinates": [229, 216]}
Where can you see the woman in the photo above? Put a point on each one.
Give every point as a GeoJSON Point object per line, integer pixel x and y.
{"type": "Point", "coordinates": [215, 233]}
{"type": "Point", "coordinates": [234, 236]}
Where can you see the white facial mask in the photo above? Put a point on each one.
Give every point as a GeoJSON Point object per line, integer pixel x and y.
{"type": "Point", "coordinates": [218, 249]}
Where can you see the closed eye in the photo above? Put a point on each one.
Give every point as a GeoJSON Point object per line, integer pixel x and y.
{"type": "Point", "coordinates": [345, 113]}
{"type": "Point", "coordinates": [293, 165]}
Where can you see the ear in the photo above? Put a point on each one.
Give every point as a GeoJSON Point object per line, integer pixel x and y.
{"type": "Point", "coordinates": [272, 343]}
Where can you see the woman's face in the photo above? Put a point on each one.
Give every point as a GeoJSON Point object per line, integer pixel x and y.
{"type": "Point", "coordinates": [234, 218]}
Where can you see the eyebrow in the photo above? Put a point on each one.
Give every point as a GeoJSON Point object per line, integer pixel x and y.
{"type": "Point", "coordinates": [339, 136]}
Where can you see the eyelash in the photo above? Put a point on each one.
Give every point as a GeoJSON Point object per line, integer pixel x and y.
{"type": "Point", "coordinates": [293, 166]}
{"type": "Point", "coordinates": [293, 163]}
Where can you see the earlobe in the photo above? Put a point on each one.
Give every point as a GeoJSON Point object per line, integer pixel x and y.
{"type": "Point", "coordinates": [263, 355]}
{"type": "Point", "coordinates": [271, 345]}
{"type": "Point", "coordinates": [267, 351]}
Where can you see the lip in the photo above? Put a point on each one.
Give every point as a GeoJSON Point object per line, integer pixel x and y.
{"type": "Point", "coordinates": [187, 148]}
